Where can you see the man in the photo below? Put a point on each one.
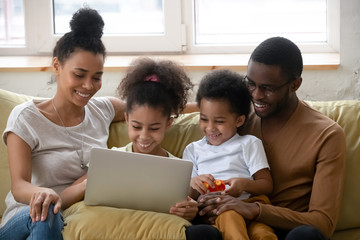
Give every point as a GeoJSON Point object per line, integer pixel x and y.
{"type": "Point", "coordinates": [305, 150]}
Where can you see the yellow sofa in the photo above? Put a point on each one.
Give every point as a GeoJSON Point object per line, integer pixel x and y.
{"type": "Point", "coordinates": [84, 222]}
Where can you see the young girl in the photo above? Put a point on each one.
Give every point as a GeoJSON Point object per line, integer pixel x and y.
{"type": "Point", "coordinates": [222, 154]}
{"type": "Point", "coordinates": [48, 140]}
{"type": "Point", "coordinates": [155, 93]}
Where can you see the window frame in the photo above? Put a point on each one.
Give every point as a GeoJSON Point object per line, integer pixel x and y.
{"type": "Point", "coordinates": [178, 38]}
{"type": "Point", "coordinates": [40, 39]}
{"type": "Point", "coordinates": [332, 46]}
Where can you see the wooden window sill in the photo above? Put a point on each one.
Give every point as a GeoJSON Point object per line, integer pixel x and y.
{"type": "Point", "coordinates": [237, 62]}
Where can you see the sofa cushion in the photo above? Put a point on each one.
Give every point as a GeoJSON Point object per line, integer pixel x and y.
{"type": "Point", "coordinates": [8, 100]}
{"type": "Point", "coordinates": [98, 222]}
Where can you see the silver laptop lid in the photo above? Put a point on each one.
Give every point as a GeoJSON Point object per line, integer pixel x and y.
{"type": "Point", "coordinates": [136, 181]}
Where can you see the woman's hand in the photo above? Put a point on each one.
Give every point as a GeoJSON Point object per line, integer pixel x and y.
{"type": "Point", "coordinates": [186, 209]}
{"type": "Point", "coordinates": [40, 202]}
{"type": "Point", "coordinates": [197, 183]}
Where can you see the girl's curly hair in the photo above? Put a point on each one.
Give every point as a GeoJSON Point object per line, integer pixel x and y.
{"type": "Point", "coordinates": [156, 83]}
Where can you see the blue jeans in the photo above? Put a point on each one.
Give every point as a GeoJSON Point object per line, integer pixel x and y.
{"type": "Point", "coordinates": [300, 233]}
{"type": "Point", "coordinates": [21, 227]}
{"type": "Point", "coordinates": [202, 232]}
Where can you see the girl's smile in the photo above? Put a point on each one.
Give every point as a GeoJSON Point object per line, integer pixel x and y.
{"type": "Point", "coordinates": [147, 127]}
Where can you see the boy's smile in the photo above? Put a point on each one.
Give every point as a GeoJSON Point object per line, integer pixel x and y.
{"type": "Point", "coordinates": [217, 121]}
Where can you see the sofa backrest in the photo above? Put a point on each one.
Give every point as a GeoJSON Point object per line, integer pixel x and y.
{"type": "Point", "coordinates": [186, 129]}
{"type": "Point", "coordinates": [347, 114]}
{"type": "Point", "coordinates": [8, 101]}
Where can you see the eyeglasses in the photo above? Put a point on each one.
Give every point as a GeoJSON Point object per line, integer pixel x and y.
{"type": "Point", "coordinates": [267, 90]}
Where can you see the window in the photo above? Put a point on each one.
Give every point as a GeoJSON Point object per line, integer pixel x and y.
{"type": "Point", "coordinates": [251, 22]}
{"type": "Point", "coordinates": [145, 16]}
{"type": "Point", "coordinates": [12, 30]}
{"type": "Point", "coordinates": [174, 26]}
{"type": "Point", "coordinates": [131, 25]}
{"type": "Point", "coordinates": [216, 27]}
{"type": "Point", "coordinates": [42, 34]}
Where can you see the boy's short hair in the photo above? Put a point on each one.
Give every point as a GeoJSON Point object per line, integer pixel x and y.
{"type": "Point", "coordinates": [226, 85]}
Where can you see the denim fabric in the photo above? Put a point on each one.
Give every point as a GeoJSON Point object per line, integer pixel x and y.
{"type": "Point", "coordinates": [300, 233]}
{"type": "Point", "coordinates": [21, 227]}
{"type": "Point", "coordinates": [305, 232]}
{"type": "Point", "coordinates": [202, 232]}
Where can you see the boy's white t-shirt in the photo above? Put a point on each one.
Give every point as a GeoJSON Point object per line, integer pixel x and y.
{"type": "Point", "coordinates": [240, 156]}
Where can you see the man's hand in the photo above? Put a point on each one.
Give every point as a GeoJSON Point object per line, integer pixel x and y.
{"type": "Point", "coordinates": [208, 206]}
{"type": "Point", "coordinates": [213, 204]}
{"type": "Point", "coordinates": [249, 211]}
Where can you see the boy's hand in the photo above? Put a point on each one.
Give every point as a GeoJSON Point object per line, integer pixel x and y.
{"type": "Point", "coordinates": [197, 183]}
{"type": "Point", "coordinates": [237, 186]}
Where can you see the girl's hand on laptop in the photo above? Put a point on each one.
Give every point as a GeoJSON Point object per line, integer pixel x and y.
{"type": "Point", "coordinates": [186, 209]}
{"type": "Point", "coordinates": [197, 183]}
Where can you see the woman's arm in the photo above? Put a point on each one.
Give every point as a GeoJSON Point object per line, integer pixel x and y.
{"type": "Point", "coordinates": [119, 107]}
{"type": "Point", "coordinates": [38, 198]}
{"type": "Point", "coordinates": [74, 193]}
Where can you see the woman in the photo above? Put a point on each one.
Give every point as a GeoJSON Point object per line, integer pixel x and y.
{"type": "Point", "coordinates": [49, 140]}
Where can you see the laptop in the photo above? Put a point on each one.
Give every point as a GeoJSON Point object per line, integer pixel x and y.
{"type": "Point", "coordinates": [136, 181]}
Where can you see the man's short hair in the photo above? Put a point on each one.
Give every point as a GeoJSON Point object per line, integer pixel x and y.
{"type": "Point", "coordinates": [281, 52]}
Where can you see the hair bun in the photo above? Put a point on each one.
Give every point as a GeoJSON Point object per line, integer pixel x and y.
{"type": "Point", "coordinates": [87, 22]}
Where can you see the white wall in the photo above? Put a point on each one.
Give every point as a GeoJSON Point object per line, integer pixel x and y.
{"type": "Point", "coordinates": [343, 83]}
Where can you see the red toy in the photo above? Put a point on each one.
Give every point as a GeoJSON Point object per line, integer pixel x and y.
{"type": "Point", "coordinates": [219, 186]}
